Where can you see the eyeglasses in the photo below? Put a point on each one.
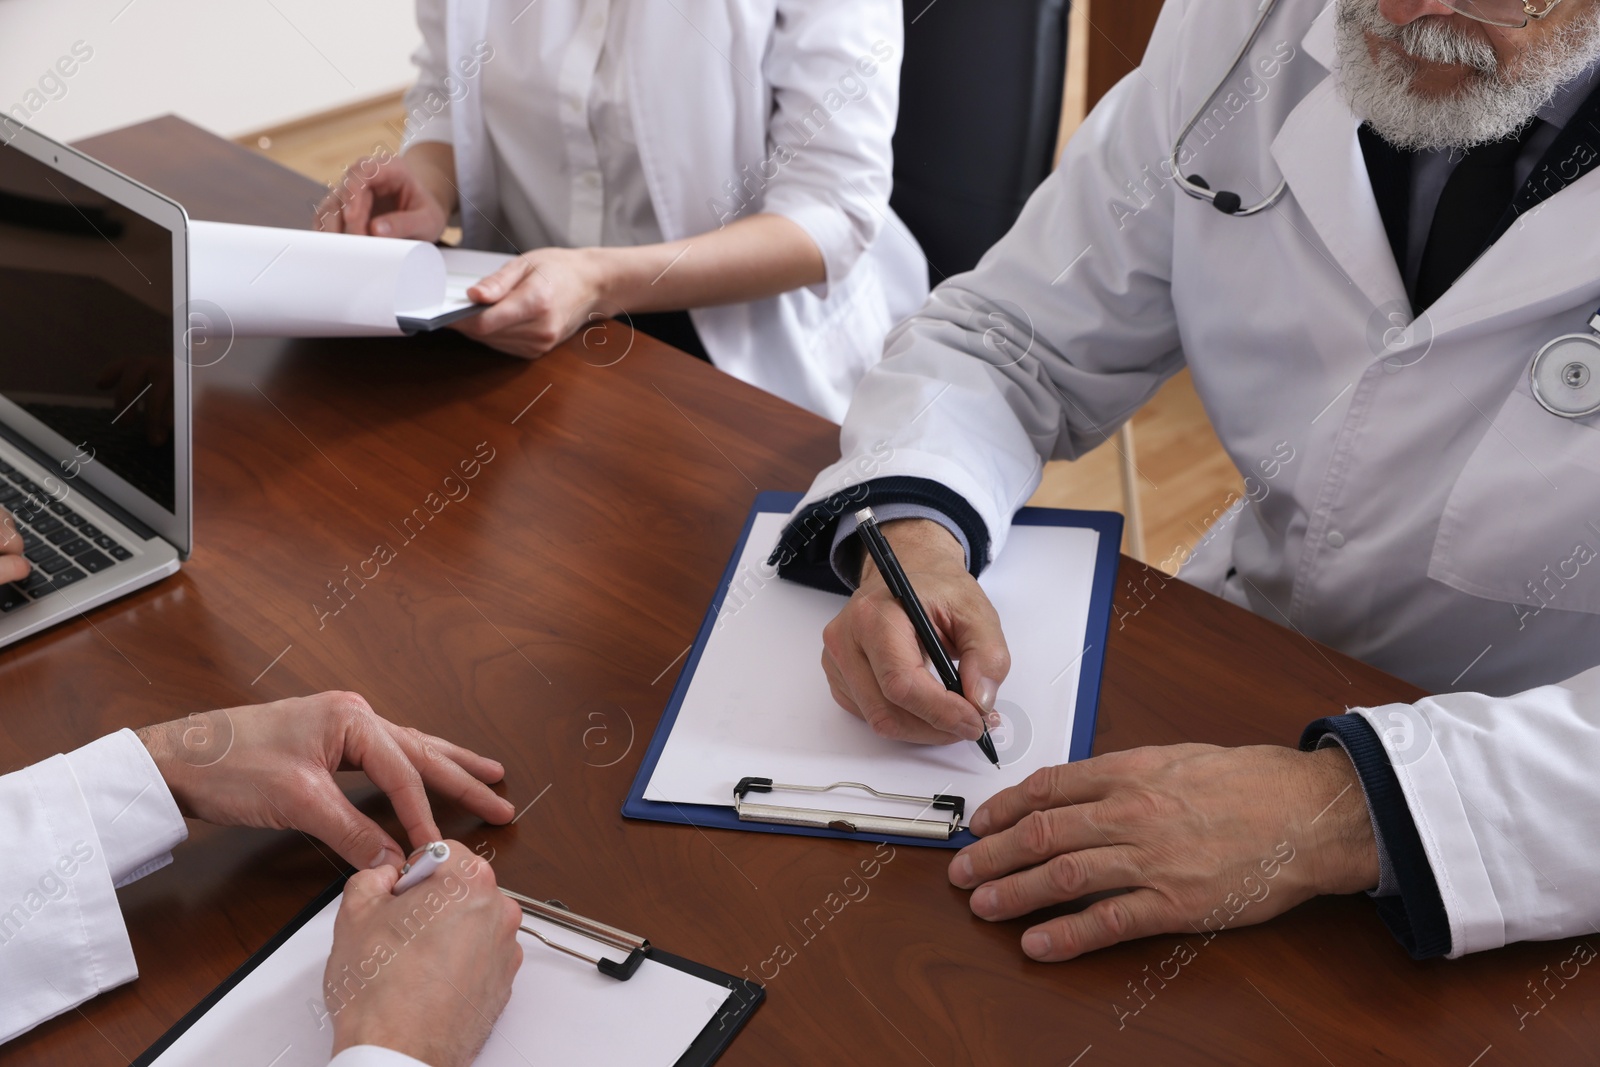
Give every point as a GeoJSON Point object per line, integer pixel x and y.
{"type": "Point", "coordinates": [1512, 14]}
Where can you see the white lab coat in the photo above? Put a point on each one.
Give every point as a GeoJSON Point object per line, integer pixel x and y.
{"type": "Point", "coordinates": [716, 86]}
{"type": "Point", "coordinates": [1414, 506]}
{"type": "Point", "coordinates": [77, 827]}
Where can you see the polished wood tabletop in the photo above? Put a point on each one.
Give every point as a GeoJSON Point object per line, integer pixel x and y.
{"type": "Point", "coordinates": [543, 619]}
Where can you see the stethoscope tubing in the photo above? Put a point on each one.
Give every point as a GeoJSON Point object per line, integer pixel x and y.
{"type": "Point", "coordinates": [1200, 192]}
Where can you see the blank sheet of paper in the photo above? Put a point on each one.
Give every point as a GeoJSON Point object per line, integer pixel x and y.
{"type": "Point", "coordinates": [562, 1010]}
{"type": "Point", "coordinates": [759, 705]}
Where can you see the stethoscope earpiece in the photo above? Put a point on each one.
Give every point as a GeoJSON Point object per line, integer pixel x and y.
{"type": "Point", "coordinates": [1224, 201]}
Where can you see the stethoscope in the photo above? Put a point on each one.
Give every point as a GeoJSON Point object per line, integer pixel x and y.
{"type": "Point", "coordinates": [1566, 373]}
{"type": "Point", "coordinates": [1231, 203]}
{"type": "Point", "coordinates": [1221, 199]}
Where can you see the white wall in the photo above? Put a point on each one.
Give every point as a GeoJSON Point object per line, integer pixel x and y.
{"type": "Point", "coordinates": [231, 66]}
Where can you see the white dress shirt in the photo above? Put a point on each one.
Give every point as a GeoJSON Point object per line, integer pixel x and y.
{"type": "Point", "coordinates": [77, 827]}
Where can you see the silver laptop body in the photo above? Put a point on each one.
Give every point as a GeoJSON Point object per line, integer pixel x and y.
{"type": "Point", "coordinates": [95, 418]}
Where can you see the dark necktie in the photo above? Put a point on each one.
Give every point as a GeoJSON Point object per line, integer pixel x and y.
{"type": "Point", "coordinates": [1476, 195]}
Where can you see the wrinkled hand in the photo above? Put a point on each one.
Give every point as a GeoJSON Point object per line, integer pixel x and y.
{"type": "Point", "coordinates": [427, 972]}
{"type": "Point", "coordinates": [540, 299]}
{"type": "Point", "coordinates": [875, 665]}
{"type": "Point", "coordinates": [14, 566]}
{"type": "Point", "coordinates": [272, 765]}
{"type": "Point", "coordinates": [1205, 838]}
{"type": "Point", "coordinates": [382, 198]}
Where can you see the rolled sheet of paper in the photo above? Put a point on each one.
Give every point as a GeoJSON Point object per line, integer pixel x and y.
{"type": "Point", "coordinates": [302, 283]}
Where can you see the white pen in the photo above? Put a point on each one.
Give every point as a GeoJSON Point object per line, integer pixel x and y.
{"type": "Point", "coordinates": [421, 863]}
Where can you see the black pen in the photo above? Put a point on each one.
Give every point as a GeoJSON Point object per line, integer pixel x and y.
{"type": "Point", "coordinates": [900, 586]}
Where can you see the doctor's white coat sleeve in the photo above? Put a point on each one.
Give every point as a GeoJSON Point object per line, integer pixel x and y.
{"type": "Point", "coordinates": [373, 1056]}
{"type": "Point", "coordinates": [1080, 286]}
{"type": "Point", "coordinates": [1502, 795]}
{"type": "Point", "coordinates": [75, 827]}
{"type": "Point", "coordinates": [834, 72]}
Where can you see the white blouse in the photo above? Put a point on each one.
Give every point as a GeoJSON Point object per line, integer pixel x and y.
{"type": "Point", "coordinates": [555, 103]}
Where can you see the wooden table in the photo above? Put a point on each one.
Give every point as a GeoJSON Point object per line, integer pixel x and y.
{"type": "Point", "coordinates": [542, 621]}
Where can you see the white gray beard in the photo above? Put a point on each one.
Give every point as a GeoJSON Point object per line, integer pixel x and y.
{"type": "Point", "coordinates": [1489, 105]}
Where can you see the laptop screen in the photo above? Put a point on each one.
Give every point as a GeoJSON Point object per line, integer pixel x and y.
{"type": "Point", "coordinates": [88, 333]}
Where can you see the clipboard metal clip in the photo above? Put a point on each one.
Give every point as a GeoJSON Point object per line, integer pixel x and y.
{"type": "Point", "coordinates": [951, 810]}
{"type": "Point", "coordinates": [553, 911]}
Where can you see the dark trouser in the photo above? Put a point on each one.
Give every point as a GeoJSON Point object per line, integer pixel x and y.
{"type": "Point", "coordinates": [670, 327]}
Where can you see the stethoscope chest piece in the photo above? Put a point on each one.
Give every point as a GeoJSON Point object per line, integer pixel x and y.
{"type": "Point", "coordinates": [1566, 375]}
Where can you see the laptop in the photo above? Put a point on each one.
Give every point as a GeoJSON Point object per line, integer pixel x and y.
{"type": "Point", "coordinates": [94, 381]}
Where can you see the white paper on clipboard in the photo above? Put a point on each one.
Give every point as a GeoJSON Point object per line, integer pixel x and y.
{"type": "Point", "coordinates": [759, 704]}
{"type": "Point", "coordinates": [561, 1010]}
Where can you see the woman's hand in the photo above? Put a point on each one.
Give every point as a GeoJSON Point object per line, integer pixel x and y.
{"type": "Point", "coordinates": [539, 299]}
{"type": "Point", "coordinates": [272, 765]}
{"type": "Point", "coordinates": [389, 196]}
{"type": "Point", "coordinates": [542, 297]}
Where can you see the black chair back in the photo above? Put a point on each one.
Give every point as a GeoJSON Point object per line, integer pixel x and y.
{"type": "Point", "coordinates": [980, 106]}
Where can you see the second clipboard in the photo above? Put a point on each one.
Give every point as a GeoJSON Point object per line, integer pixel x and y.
{"type": "Point", "coordinates": [575, 1001]}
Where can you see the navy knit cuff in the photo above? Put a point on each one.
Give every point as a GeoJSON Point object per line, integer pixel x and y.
{"type": "Point", "coordinates": [1416, 917]}
{"type": "Point", "coordinates": [847, 547]}
{"type": "Point", "coordinates": [805, 548]}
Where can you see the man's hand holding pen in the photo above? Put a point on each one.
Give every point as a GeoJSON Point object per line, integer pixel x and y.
{"type": "Point", "coordinates": [1164, 823]}
{"type": "Point", "coordinates": [876, 666]}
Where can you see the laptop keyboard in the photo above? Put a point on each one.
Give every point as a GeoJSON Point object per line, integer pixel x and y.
{"type": "Point", "coordinates": [62, 545]}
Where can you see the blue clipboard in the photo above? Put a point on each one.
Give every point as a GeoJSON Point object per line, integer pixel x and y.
{"type": "Point", "coordinates": [1107, 523]}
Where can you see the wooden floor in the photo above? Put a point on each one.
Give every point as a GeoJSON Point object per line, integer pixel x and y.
{"type": "Point", "coordinates": [321, 147]}
{"type": "Point", "coordinates": [1185, 479]}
